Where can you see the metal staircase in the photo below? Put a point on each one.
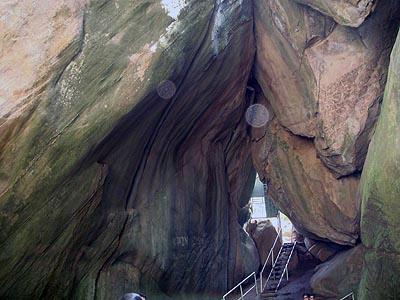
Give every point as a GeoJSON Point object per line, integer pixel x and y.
{"type": "Point", "coordinates": [279, 269]}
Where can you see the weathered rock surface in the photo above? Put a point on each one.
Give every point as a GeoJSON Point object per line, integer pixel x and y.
{"type": "Point", "coordinates": [304, 189]}
{"type": "Point", "coordinates": [344, 12]}
{"type": "Point", "coordinates": [264, 235]}
{"type": "Point", "coordinates": [322, 79]}
{"type": "Point", "coordinates": [106, 187]}
{"type": "Point", "coordinates": [340, 275]}
{"type": "Point", "coordinates": [320, 250]}
{"type": "Point", "coordinates": [380, 190]}
{"type": "Point", "coordinates": [33, 35]}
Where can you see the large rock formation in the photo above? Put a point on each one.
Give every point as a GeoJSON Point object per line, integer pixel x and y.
{"type": "Point", "coordinates": [324, 80]}
{"type": "Point", "coordinates": [339, 276]}
{"type": "Point", "coordinates": [324, 83]}
{"type": "Point", "coordinates": [110, 181]}
{"type": "Point", "coordinates": [125, 159]}
{"type": "Point", "coordinates": [380, 188]}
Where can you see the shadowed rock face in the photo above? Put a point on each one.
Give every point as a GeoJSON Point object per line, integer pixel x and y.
{"type": "Point", "coordinates": [106, 187]}
{"type": "Point", "coordinates": [340, 275]}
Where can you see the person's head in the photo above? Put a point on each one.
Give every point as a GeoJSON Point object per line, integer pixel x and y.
{"type": "Point", "coordinates": [306, 297]}
{"type": "Point", "coordinates": [133, 296]}
{"type": "Point", "coordinates": [311, 297]}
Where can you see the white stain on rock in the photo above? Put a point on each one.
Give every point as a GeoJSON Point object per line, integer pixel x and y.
{"type": "Point", "coordinates": [153, 47]}
{"type": "Point", "coordinates": [142, 60]}
{"type": "Point", "coordinates": [222, 23]}
{"type": "Point", "coordinates": [217, 28]}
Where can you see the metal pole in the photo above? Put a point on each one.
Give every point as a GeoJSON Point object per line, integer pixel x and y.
{"type": "Point", "coordinates": [265, 200]}
{"type": "Point", "coordinates": [255, 283]}
{"type": "Point", "coordinates": [287, 274]}
{"type": "Point", "coordinates": [241, 292]}
{"type": "Point", "coordinates": [280, 226]}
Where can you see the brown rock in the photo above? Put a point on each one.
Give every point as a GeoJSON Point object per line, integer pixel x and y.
{"type": "Point", "coordinates": [264, 235]}
{"type": "Point", "coordinates": [304, 189]}
{"type": "Point", "coordinates": [340, 275]}
{"type": "Point", "coordinates": [322, 79]}
{"type": "Point", "coordinates": [344, 12]}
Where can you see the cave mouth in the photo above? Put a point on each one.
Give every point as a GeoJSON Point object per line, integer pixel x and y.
{"type": "Point", "coordinates": [262, 209]}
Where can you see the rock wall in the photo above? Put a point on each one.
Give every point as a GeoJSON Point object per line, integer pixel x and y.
{"type": "Point", "coordinates": [113, 179]}
{"type": "Point", "coordinates": [380, 188]}
{"type": "Point", "coordinates": [324, 82]}
{"type": "Point", "coordinates": [339, 276]}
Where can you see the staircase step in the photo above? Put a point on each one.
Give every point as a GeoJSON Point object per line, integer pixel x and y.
{"type": "Point", "coordinates": [277, 273]}
{"type": "Point", "coordinates": [268, 294]}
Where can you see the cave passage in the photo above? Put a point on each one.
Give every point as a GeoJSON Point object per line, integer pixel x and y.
{"type": "Point", "coordinates": [132, 134]}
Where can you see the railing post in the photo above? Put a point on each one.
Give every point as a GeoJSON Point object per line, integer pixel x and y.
{"type": "Point", "coordinates": [241, 292]}
{"type": "Point", "coordinates": [255, 283]}
{"type": "Point", "coordinates": [287, 273]}
{"type": "Point", "coordinates": [272, 254]}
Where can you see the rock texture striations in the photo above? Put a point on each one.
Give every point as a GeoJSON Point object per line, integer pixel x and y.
{"type": "Point", "coordinates": [112, 179]}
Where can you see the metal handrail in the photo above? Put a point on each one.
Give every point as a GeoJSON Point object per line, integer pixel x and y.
{"type": "Point", "coordinates": [272, 269]}
{"type": "Point", "coordinates": [286, 268]}
{"type": "Point", "coordinates": [272, 261]}
{"type": "Point", "coordinates": [241, 289]}
{"type": "Point", "coordinates": [348, 295]}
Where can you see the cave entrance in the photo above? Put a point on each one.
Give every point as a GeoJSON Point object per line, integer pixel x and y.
{"type": "Point", "coordinates": [263, 209]}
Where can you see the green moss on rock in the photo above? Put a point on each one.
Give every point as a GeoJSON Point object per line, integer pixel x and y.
{"type": "Point", "coordinates": [380, 187]}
